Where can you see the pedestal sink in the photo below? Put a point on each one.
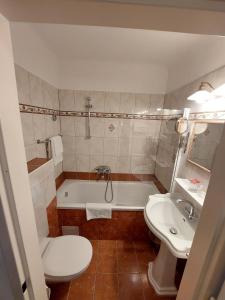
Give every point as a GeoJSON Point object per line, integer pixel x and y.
{"type": "Point", "coordinates": [176, 233]}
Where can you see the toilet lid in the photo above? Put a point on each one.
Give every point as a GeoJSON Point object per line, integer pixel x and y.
{"type": "Point", "coordinates": [67, 256]}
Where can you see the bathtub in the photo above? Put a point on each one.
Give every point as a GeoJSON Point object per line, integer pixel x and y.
{"type": "Point", "coordinates": [130, 196]}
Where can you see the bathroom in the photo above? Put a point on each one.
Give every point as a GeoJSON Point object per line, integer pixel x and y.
{"type": "Point", "coordinates": [121, 144]}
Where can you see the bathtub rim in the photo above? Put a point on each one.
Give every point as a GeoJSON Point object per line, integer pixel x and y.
{"type": "Point", "coordinates": [82, 206]}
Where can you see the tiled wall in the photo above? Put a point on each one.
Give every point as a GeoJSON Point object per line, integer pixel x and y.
{"type": "Point", "coordinates": [178, 100]}
{"type": "Point", "coordinates": [36, 92]}
{"type": "Point", "coordinates": [126, 145]}
{"type": "Point", "coordinates": [42, 183]}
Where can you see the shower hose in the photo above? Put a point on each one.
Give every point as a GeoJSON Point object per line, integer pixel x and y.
{"type": "Point", "coordinates": [109, 181]}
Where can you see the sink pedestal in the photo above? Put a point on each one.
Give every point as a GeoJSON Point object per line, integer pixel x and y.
{"type": "Point", "coordinates": [161, 272]}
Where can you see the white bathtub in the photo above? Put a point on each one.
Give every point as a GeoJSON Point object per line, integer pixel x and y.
{"type": "Point", "coordinates": [127, 195]}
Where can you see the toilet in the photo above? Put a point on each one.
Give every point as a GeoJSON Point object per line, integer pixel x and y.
{"type": "Point", "coordinates": [65, 257]}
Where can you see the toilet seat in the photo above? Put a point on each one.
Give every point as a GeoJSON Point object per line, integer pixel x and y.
{"type": "Point", "coordinates": [66, 257]}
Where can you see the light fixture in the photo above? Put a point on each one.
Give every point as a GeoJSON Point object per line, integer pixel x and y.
{"type": "Point", "coordinates": [219, 92]}
{"type": "Point", "coordinates": [203, 94]}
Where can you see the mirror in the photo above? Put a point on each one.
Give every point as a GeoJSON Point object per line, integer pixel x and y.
{"type": "Point", "coordinates": [205, 137]}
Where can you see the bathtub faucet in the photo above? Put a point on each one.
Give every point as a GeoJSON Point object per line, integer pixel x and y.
{"type": "Point", "coordinates": [102, 170]}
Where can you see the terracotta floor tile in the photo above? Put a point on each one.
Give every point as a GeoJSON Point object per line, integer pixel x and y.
{"type": "Point", "coordinates": [59, 291]}
{"type": "Point", "coordinates": [106, 287]}
{"type": "Point", "coordinates": [126, 257]}
{"type": "Point", "coordinates": [82, 287]}
{"type": "Point", "coordinates": [93, 265]}
{"type": "Point", "coordinates": [107, 246]}
{"type": "Point", "coordinates": [145, 253]}
{"type": "Point", "coordinates": [130, 287]}
{"type": "Point", "coordinates": [124, 245]}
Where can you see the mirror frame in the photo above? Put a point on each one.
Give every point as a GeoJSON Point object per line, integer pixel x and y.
{"type": "Point", "coordinates": [191, 140]}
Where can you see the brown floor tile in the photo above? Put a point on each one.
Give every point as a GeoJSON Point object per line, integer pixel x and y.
{"type": "Point", "coordinates": [126, 257]}
{"type": "Point", "coordinates": [145, 253]}
{"type": "Point", "coordinates": [59, 291]}
{"type": "Point", "coordinates": [106, 261]}
{"type": "Point", "coordinates": [130, 287]}
{"type": "Point", "coordinates": [93, 265]}
{"type": "Point", "coordinates": [106, 287]}
{"type": "Point", "coordinates": [107, 246]}
{"type": "Point", "coordinates": [82, 288]}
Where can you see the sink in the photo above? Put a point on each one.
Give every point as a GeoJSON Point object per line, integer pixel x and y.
{"type": "Point", "coordinates": [162, 215]}
{"type": "Point", "coordinates": [176, 233]}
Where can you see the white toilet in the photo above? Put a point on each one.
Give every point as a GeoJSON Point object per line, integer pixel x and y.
{"type": "Point", "coordinates": [65, 257]}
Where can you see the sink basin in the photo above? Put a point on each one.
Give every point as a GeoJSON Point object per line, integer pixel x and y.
{"type": "Point", "coordinates": [167, 222]}
{"type": "Point", "coordinates": [176, 233]}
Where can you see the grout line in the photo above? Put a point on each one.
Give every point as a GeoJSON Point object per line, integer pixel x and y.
{"type": "Point", "coordinates": [96, 265]}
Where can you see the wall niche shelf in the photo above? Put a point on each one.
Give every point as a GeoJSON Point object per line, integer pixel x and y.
{"type": "Point", "coordinates": [198, 197]}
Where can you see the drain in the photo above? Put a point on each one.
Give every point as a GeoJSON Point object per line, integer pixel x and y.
{"type": "Point", "coordinates": [173, 230]}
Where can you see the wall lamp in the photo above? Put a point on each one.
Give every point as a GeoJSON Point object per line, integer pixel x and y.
{"type": "Point", "coordinates": [207, 92]}
{"type": "Point", "coordinates": [203, 94]}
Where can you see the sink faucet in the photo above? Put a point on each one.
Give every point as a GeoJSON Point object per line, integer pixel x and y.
{"type": "Point", "coordinates": [190, 210]}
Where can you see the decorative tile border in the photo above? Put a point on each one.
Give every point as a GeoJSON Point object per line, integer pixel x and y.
{"type": "Point", "coordinates": [220, 115]}
{"type": "Point", "coordinates": [37, 110]}
{"type": "Point", "coordinates": [47, 111]}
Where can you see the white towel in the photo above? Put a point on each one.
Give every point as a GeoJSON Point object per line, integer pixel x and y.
{"type": "Point", "coordinates": [98, 211]}
{"type": "Point", "coordinates": [57, 149]}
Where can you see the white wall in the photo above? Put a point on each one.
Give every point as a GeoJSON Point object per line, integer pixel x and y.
{"type": "Point", "coordinates": [15, 152]}
{"type": "Point", "coordinates": [31, 53]}
{"type": "Point", "coordinates": [196, 63]}
{"type": "Point", "coordinates": [112, 76]}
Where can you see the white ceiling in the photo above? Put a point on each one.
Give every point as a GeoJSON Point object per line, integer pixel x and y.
{"type": "Point", "coordinates": [119, 44]}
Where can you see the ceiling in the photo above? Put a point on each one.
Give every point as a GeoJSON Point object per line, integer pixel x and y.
{"type": "Point", "coordinates": [121, 45]}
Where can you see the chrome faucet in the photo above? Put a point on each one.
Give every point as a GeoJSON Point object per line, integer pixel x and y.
{"type": "Point", "coordinates": [102, 170]}
{"type": "Point", "coordinates": [190, 209]}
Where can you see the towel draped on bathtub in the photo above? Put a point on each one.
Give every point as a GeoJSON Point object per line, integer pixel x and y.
{"type": "Point", "coordinates": [98, 211]}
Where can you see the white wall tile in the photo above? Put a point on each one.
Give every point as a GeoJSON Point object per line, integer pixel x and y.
{"type": "Point", "coordinates": [95, 160]}
{"type": "Point", "coordinates": [127, 103]}
{"type": "Point", "coordinates": [81, 126]}
{"type": "Point", "coordinates": [142, 104]}
{"type": "Point", "coordinates": [124, 146]}
{"type": "Point", "coordinates": [139, 146]}
{"type": "Point", "coordinates": [23, 86]}
{"type": "Point", "coordinates": [111, 161]}
{"type": "Point", "coordinates": [39, 127]}
{"type": "Point", "coordinates": [111, 146]}
{"type": "Point", "coordinates": [97, 127]}
{"type": "Point", "coordinates": [126, 128]}
{"type": "Point", "coordinates": [68, 144]}
{"type": "Point", "coordinates": [96, 145]}
{"type": "Point", "coordinates": [28, 131]}
{"type": "Point", "coordinates": [36, 94]}
{"type": "Point", "coordinates": [69, 162]}
{"type": "Point", "coordinates": [123, 164]}
{"type": "Point", "coordinates": [112, 102]}
{"type": "Point", "coordinates": [66, 100]}
{"type": "Point", "coordinates": [67, 126]}
{"type": "Point", "coordinates": [98, 101]}
{"type": "Point", "coordinates": [82, 145]}
{"type": "Point", "coordinates": [81, 100]}
{"type": "Point", "coordinates": [141, 164]}
{"type": "Point", "coordinates": [83, 163]}
{"type": "Point", "coordinates": [156, 101]}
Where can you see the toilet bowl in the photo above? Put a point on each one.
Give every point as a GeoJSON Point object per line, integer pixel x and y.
{"type": "Point", "coordinates": [65, 257]}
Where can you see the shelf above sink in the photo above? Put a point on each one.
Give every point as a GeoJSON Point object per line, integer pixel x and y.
{"type": "Point", "coordinates": [199, 196]}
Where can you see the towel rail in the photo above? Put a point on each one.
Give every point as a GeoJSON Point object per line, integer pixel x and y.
{"type": "Point", "coordinates": [46, 142]}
